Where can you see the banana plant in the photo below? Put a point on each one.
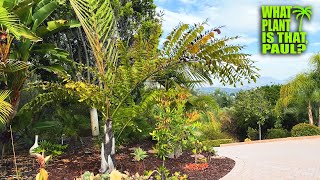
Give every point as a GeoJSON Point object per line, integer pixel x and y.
{"type": "Point", "coordinates": [28, 22]}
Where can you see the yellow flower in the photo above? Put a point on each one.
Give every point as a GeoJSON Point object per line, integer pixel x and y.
{"type": "Point", "coordinates": [116, 175]}
{"type": "Point", "coordinates": [42, 175]}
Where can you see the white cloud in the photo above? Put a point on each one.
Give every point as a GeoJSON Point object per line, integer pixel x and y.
{"type": "Point", "coordinates": [315, 44]}
{"type": "Point", "coordinates": [244, 40]}
{"type": "Point", "coordinates": [188, 1]}
{"type": "Point", "coordinates": [281, 67]}
{"type": "Point", "coordinates": [172, 19]}
{"type": "Point", "coordinates": [237, 17]}
{"type": "Point", "coordinates": [313, 27]}
{"type": "Point", "coordinates": [243, 18]}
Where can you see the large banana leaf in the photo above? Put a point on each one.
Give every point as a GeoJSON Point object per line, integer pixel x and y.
{"type": "Point", "coordinates": [56, 26]}
{"type": "Point", "coordinates": [5, 107]}
{"type": "Point", "coordinates": [24, 11]}
{"type": "Point", "coordinates": [11, 22]}
{"type": "Point", "coordinates": [42, 12]}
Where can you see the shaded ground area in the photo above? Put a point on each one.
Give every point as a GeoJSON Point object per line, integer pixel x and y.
{"type": "Point", "coordinates": [293, 159]}
{"type": "Point", "coordinates": [73, 163]}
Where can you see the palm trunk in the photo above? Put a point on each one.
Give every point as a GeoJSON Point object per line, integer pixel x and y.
{"type": "Point", "coordinates": [310, 113]}
{"type": "Point", "coordinates": [259, 131]}
{"type": "Point", "coordinates": [94, 122]}
{"type": "Point", "coordinates": [109, 149]}
{"type": "Point", "coordinates": [85, 51]}
{"type": "Point", "coordinates": [93, 112]}
{"type": "Point", "coordinates": [300, 25]}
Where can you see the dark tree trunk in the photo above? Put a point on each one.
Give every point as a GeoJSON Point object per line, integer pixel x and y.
{"type": "Point", "coordinates": [108, 149]}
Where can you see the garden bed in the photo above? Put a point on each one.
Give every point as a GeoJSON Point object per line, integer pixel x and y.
{"type": "Point", "coordinates": [74, 163]}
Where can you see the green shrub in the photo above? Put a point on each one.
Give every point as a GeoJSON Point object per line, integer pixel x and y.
{"type": "Point", "coordinates": [304, 129]}
{"type": "Point", "coordinates": [216, 143]}
{"type": "Point", "coordinates": [277, 133]}
{"type": "Point", "coordinates": [209, 132]}
{"type": "Point", "coordinates": [50, 148]}
{"type": "Point", "coordinates": [252, 134]}
{"type": "Point", "coordinates": [139, 154]}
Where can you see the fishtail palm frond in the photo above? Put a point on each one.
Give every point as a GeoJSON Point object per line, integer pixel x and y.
{"type": "Point", "coordinates": [205, 56]}
{"type": "Point", "coordinates": [5, 107]}
{"type": "Point", "coordinates": [98, 21]}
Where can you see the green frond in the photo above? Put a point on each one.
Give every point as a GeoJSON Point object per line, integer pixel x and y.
{"type": "Point", "coordinates": [13, 66]}
{"type": "Point", "coordinates": [148, 100]}
{"type": "Point", "coordinates": [296, 11]}
{"type": "Point", "coordinates": [11, 23]}
{"type": "Point", "coordinates": [209, 57]}
{"type": "Point", "coordinates": [191, 35]}
{"type": "Point", "coordinates": [174, 37]}
{"type": "Point", "coordinates": [5, 107]}
{"type": "Point", "coordinates": [298, 15]}
{"type": "Point", "coordinates": [302, 85]}
{"type": "Point", "coordinates": [42, 12]}
{"type": "Point", "coordinates": [308, 16]}
{"type": "Point", "coordinates": [308, 11]}
{"type": "Point", "coordinates": [308, 8]}
{"type": "Point", "coordinates": [98, 21]}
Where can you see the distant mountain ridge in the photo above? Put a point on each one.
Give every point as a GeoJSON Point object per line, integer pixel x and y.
{"type": "Point", "coordinates": [262, 81]}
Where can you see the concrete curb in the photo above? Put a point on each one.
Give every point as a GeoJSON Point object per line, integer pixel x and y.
{"type": "Point", "coordinates": [271, 140]}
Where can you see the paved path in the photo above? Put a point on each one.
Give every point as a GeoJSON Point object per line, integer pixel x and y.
{"type": "Point", "coordinates": [287, 160]}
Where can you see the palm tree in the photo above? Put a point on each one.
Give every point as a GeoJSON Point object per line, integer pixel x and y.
{"type": "Point", "coordinates": [302, 87]}
{"type": "Point", "coordinates": [186, 47]}
{"type": "Point", "coordinates": [315, 75]}
{"type": "Point", "coordinates": [301, 12]}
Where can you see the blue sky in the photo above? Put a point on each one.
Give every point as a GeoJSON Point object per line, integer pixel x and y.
{"type": "Point", "coordinates": [242, 18]}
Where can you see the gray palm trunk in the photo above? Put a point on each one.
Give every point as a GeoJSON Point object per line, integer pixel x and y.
{"type": "Point", "coordinates": [310, 113]}
{"type": "Point", "coordinates": [93, 111]}
{"type": "Point", "coordinates": [259, 131]}
{"type": "Point", "coordinates": [108, 149]}
{"type": "Point", "coordinates": [94, 122]}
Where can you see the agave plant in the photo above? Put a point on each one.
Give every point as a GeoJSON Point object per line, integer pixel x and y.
{"type": "Point", "coordinates": [139, 154]}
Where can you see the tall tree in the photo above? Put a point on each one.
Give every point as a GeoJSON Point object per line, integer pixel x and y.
{"type": "Point", "coordinates": [251, 110]}
{"type": "Point", "coordinates": [186, 45]}
{"type": "Point", "coordinates": [131, 15]}
{"type": "Point", "coordinates": [302, 87]}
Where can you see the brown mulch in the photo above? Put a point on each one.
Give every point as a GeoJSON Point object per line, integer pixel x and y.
{"type": "Point", "coordinates": [72, 164]}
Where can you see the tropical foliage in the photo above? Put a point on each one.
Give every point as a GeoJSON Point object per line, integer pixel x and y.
{"type": "Point", "coordinates": [6, 108]}
{"type": "Point", "coordinates": [113, 62]}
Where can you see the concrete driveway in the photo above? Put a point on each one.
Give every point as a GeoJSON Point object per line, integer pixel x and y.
{"type": "Point", "coordinates": [288, 159]}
